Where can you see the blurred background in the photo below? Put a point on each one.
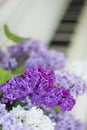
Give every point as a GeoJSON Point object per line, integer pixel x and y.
{"type": "Point", "coordinates": [61, 24]}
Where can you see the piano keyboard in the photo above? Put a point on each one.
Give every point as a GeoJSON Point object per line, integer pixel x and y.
{"type": "Point", "coordinates": [67, 26]}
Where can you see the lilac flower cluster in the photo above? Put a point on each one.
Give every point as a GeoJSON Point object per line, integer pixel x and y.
{"type": "Point", "coordinates": [54, 97]}
{"type": "Point", "coordinates": [33, 53]}
{"type": "Point", "coordinates": [24, 48]}
{"type": "Point", "coordinates": [75, 84]}
{"type": "Point", "coordinates": [3, 59]}
{"type": "Point", "coordinates": [45, 93]}
{"type": "Point", "coordinates": [9, 122]}
{"type": "Point", "coordinates": [15, 89]}
{"type": "Point", "coordinates": [66, 121]}
{"type": "Point", "coordinates": [6, 61]}
{"type": "Point", "coordinates": [12, 120]}
{"type": "Point", "coordinates": [46, 58]}
{"type": "Point", "coordinates": [2, 55]}
{"type": "Point", "coordinates": [38, 84]}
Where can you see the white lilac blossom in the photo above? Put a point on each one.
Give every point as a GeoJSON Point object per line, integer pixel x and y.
{"type": "Point", "coordinates": [21, 119]}
{"type": "Point", "coordinates": [34, 118]}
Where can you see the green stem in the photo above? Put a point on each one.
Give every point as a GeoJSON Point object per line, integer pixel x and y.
{"type": "Point", "coordinates": [3, 43]}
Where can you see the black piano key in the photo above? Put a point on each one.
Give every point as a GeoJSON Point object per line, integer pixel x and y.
{"type": "Point", "coordinates": [68, 23]}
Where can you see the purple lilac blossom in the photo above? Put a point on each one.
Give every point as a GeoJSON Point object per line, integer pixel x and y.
{"type": "Point", "coordinates": [62, 121]}
{"type": "Point", "coordinates": [38, 84]}
{"type": "Point", "coordinates": [15, 89]}
{"type": "Point", "coordinates": [45, 93]}
{"type": "Point", "coordinates": [54, 97]}
{"type": "Point", "coordinates": [61, 97]}
{"type": "Point", "coordinates": [2, 55]}
{"type": "Point", "coordinates": [24, 48]}
{"type": "Point", "coordinates": [51, 58]}
{"type": "Point", "coordinates": [30, 54]}
{"type": "Point", "coordinates": [3, 110]}
{"type": "Point", "coordinates": [66, 121]}
{"type": "Point", "coordinates": [33, 53]}
{"type": "Point", "coordinates": [9, 122]}
{"type": "Point", "coordinates": [75, 84]}
{"type": "Point", "coordinates": [3, 59]}
{"type": "Point", "coordinates": [6, 61]}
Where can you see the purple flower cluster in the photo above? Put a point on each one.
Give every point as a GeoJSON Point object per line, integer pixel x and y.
{"type": "Point", "coordinates": [33, 53]}
{"type": "Point", "coordinates": [2, 110]}
{"type": "Point", "coordinates": [45, 93]}
{"type": "Point", "coordinates": [75, 84]}
{"type": "Point", "coordinates": [21, 51]}
{"type": "Point", "coordinates": [51, 58]}
{"type": "Point", "coordinates": [66, 121]}
{"type": "Point", "coordinates": [24, 48]}
{"type": "Point", "coordinates": [6, 61]}
{"type": "Point", "coordinates": [2, 55]}
{"type": "Point", "coordinates": [62, 121]}
{"type": "Point", "coordinates": [9, 122]}
{"type": "Point", "coordinates": [54, 97]}
{"type": "Point", "coordinates": [15, 89]}
{"type": "Point", "coordinates": [38, 84]}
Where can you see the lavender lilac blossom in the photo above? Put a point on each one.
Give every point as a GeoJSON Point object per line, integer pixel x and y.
{"type": "Point", "coordinates": [7, 120]}
{"type": "Point", "coordinates": [20, 119]}
{"type": "Point", "coordinates": [6, 61]}
{"type": "Point", "coordinates": [75, 84]}
{"type": "Point", "coordinates": [15, 119]}
{"type": "Point", "coordinates": [22, 50]}
{"type": "Point", "coordinates": [66, 121]}
{"type": "Point", "coordinates": [51, 58]}
{"type": "Point", "coordinates": [2, 55]}
{"type": "Point", "coordinates": [3, 59]}
{"type": "Point", "coordinates": [38, 84]}
{"type": "Point", "coordinates": [32, 53]}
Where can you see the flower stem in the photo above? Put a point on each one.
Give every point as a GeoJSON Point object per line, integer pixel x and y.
{"type": "Point", "coordinates": [3, 43]}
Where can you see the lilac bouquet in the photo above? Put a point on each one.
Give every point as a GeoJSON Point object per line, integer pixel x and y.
{"type": "Point", "coordinates": [42, 96]}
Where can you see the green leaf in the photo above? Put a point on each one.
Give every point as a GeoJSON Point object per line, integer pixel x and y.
{"type": "Point", "coordinates": [57, 109]}
{"type": "Point", "coordinates": [1, 94]}
{"type": "Point", "coordinates": [12, 36]}
{"type": "Point", "coordinates": [5, 75]}
{"type": "Point", "coordinates": [22, 104]}
{"type": "Point", "coordinates": [0, 127]}
{"type": "Point", "coordinates": [19, 71]}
